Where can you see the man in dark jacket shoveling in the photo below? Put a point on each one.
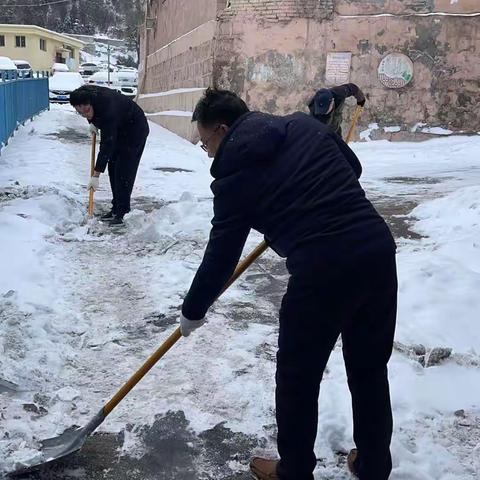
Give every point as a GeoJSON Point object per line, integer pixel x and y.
{"type": "Point", "coordinates": [292, 179]}
{"type": "Point", "coordinates": [124, 130]}
{"type": "Point", "coordinates": [328, 103]}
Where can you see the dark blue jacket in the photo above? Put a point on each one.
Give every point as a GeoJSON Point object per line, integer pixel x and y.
{"type": "Point", "coordinates": [120, 120]}
{"type": "Point", "coordinates": [290, 178]}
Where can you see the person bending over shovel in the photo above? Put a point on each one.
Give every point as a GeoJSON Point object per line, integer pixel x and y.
{"type": "Point", "coordinates": [124, 130]}
{"type": "Point", "coordinates": [328, 103]}
{"type": "Point", "coordinates": [294, 180]}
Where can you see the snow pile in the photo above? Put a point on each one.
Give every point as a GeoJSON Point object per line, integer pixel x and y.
{"type": "Point", "coordinates": [82, 307]}
{"type": "Point", "coordinates": [437, 131]}
{"type": "Point", "coordinates": [393, 129]}
{"type": "Point", "coordinates": [365, 134]}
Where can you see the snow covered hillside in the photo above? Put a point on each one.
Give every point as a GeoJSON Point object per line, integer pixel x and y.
{"type": "Point", "coordinates": [100, 54]}
{"type": "Point", "coordinates": [81, 307]}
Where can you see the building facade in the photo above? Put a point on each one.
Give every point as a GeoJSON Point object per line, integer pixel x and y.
{"type": "Point", "coordinates": [39, 47]}
{"type": "Point", "coordinates": [416, 60]}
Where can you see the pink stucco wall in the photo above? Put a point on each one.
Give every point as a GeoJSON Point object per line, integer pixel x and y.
{"type": "Point", "coordinates": [278, 65]}
{"type": "Point", "coordinates": [273, 53]}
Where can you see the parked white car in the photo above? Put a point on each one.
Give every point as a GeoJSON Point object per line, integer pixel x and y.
{"type": "Point", "coordinates": [127, 82]}
{"type": "Point", "coordinates": [60, 67]}
{"type": "Point", "coordinates": [124, 82]}
{"type": "Point", "coordinates": [101, 78]}
{"type": "Point", "coordinates": [87, 69]}
{"type": "Point", "coordinates": [61, 84]}
{"type": "Point", "coordinates": [24, 69]}
{"type": "Point", "coordinates": [7, 67]}
{"type": "Point", "coordinates": [104, 67]}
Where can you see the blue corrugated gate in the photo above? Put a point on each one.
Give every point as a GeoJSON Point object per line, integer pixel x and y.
{"type": "Point", "coordinates": [20, 99]}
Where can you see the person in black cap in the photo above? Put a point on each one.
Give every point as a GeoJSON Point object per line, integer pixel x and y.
{"type": "Point", "coordinates": [327, 104]}
{"type": "Point", "coordinates": [124, 130]}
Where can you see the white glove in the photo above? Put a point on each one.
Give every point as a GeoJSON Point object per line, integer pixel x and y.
{"type": "Point", "coordinates": [188, 326]}
{"type": "Point", "coordinates": [93, 129]}
{"type": "Point", "coordinates": [94, 184]}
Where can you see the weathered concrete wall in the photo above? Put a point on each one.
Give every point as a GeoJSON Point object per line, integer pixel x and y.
{"type": "Point", "coordinates": [273, 53]}
{"type": "Point", "coordinates": [368, 7]}
{"type": "Point", "coordinates": [178, 17]}
{"type": "Point", "coordinates": [277, 66]}
{"type": "Point", "coordinates": [180, 55]}
{"type": "Point", "coordinates": [159, 106]}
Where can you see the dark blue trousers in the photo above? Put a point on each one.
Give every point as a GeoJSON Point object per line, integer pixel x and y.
{"type": "Point", "coordinates": [332, 292]}
{"type": "Point", "coordinates": [122, 170]}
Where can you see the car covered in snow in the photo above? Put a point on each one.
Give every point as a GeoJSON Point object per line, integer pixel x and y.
{"type": "Point", "coordinates": [104, 67]}
{"type": "Point", "coordinates": [8, 69]}
{"type": "Point", "coordinates": [24, 69]}
{"type": "Point", "coordinates": [127, 82]}
{"type": "Point", "coordinates": [62, 83]}
{"type": "Point", "coordinates": [102, 79]}
{"type": "Point", "coordinates": [60, 67]}
{"type": "Point", "coordinates": [87, 69]}
{"type": "Point", "coordinates": [123, 81]}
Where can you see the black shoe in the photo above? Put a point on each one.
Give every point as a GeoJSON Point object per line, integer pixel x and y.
{"type": "Point", "coordinates": [108, 216]}
{"type": "Point", "coordinates": [116, 220]}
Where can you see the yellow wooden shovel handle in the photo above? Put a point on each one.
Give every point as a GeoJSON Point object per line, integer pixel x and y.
{"type": "Point", "coordinates": [175, 336]}
{"type": "Point", "coordinates": [356, 116]}
{"type": "Point", "coordinates": [92, 169]}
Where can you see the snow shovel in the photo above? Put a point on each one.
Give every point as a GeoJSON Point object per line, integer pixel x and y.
{"type": "Point", "coordinates": [356, 116]}
{"type": "Point", "coordinates": [92, 169]}
{"type": "Point", "coordinates": [71, 441]}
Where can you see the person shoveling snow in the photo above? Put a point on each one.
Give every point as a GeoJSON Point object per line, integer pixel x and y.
{"type": "Point", "coordinates": [294, 180]}
{"type": "Point", "coordinates": [124, 130]}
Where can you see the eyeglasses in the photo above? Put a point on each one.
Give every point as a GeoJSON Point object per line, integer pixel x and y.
{"type": "Point", "coordinates": [204, 145]}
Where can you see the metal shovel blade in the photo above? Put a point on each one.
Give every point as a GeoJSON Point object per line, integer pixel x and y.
{"type": "Point", "coordinates": [56, 448]}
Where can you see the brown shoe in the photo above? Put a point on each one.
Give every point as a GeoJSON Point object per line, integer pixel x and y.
{"type": "Point", "coordinates": [352, 456]}
{"type": "Point", "coordinates": [264, 469]}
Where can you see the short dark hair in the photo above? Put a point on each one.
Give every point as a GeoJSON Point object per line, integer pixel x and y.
{"type": "Point", "coordinates": [219, 106]}
{"type": "Point", "coordinates": [82, 96]}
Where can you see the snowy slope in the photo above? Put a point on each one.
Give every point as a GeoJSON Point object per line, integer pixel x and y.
{"type": "Point", "coordinates": [81, 308]}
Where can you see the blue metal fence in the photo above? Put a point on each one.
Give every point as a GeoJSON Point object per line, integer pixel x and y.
{"type": "Point", "coordinates": [20, 99]}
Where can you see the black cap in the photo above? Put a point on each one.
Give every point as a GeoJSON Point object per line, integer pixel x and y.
{"type": "Point", "coordinates": [321, 101]}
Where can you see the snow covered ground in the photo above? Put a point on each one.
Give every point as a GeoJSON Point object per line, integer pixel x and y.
{"type": "Point", "coordinates": [82, 307]}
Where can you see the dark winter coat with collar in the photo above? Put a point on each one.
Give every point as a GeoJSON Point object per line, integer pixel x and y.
{"type": "Point", "coordinates": [295, 181]}
{"type": "Point", "coordinates": [120, 120]}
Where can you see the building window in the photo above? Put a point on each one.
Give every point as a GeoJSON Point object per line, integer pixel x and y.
{"type": "Point", "coordinates": [20, 41]}
{"type": "Point", "coordinates": [43, 44]}
{"type": "Point", "coordinates": [2, 40]}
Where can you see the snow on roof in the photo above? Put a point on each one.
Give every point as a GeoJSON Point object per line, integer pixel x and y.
{"type": "Point", "coordinates": [21, 28]}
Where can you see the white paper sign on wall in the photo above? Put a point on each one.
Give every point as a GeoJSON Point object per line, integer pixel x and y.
{"type": "Point", "coordinates": [395, 70]}
{"type": "Point", "coordinates": [338, 68]}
